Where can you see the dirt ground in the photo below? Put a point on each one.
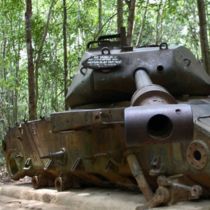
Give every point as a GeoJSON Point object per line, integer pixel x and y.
{"type": "Point", "coordinates": [21, 196]}
{"type": "Point", "coordinates": [5, 178]}
{"type": "Point", "coordinates": [10, 203]}
{"type": "Point", "coordinates": [4, 175]}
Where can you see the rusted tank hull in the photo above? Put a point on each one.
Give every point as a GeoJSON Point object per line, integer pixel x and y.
{"type": "Point", "coordinates": [93, 150]}
{"type": "Point", "coordinates": [91, 153]}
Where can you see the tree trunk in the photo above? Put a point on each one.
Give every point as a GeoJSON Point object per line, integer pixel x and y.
{"type": "Point", "coordinates": [99, 15]}
{"type": "Point", "coordinates": [4, 55]}
{"type": "Point", "coordinates": [119, 15]}
{"type": "Point", "coordinates": [104, 24]}
{"type": "Point", "coordinates": [203, 34]}
{"type": "Point", "coordinates": [131, 14]}
{"type": "Point", "coordinates": [31, 79]}
{"type": "Point", "coordinates": [17, 69]}
{"type": "Point", "coordinates": [142, 24]}
{"type": "Point", "coordinates": [65, 64]}
{"type": "Point", "coordinates": [39, 53]}
{"type": "Point", "coordinates": [16, 47]}
{"type": "Point", "coordinates": [157, 28]}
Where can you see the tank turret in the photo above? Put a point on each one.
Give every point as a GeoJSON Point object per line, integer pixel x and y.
{"type": "Point", "coordinates": [107, 72]}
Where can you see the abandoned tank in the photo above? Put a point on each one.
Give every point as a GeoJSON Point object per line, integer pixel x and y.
{"type": "Point", "coordinates": [138, 118]}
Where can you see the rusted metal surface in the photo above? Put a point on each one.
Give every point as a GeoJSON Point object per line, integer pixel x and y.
{"type": "Point", "coordinates": [158, 124]}
{"type": "Point", "coordinates": [136, 124]}
{"type": "Point", "coordinates": [139, 176]}
{"type": "Point", "coordinates": [197, 154]}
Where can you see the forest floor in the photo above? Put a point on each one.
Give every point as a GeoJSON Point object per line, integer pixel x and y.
{"type": "Point", "coordinates": [20, 195]}
{"type": "Point", "coordinates": [4, 177]}
{"type": "Point", "coordinates": [10, 200]}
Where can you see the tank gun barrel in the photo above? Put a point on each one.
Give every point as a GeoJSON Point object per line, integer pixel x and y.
{"type": "Point", "coordinates": [142, 79]}
{"type": "Point", "coordinates": [148, 93]}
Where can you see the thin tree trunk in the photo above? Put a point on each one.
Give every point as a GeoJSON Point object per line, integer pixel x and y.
{"type": "Point", "coordinates": [4, 54]}
{"type": "Point", "coordinates": [6, 92]}
{"type": "Point", "coordinates": [107, 22]}
{"type": "Point", "coordinates": [15, 110]}
{"type": "Point", "coordinates": [39, 53]}
{"type": "Point", "coordinates": [16, 49]}
{"type": "Point", "coordinates": [99, 15]}
{"type": "Point", "coordinates": [157, 30]}
{"type": "Point", "coordinates": [165, 3]}
{"type": "Point", "coordinates": [65, 64]}
{"type": "Point", "coordinates": [131, 14]}
{"type": "Point", "coordinates": [203, 34]}
{"type": "Point", "coordinates": [17, 68]}
{"type": "Point", "coordinates": [194, 36]}
{"type": "Point", "coordinates": [119, 15]}
{"type": "Point", "coordinates": [31, 79]}
{"type": "Point", "coordinates": [139, 38]}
